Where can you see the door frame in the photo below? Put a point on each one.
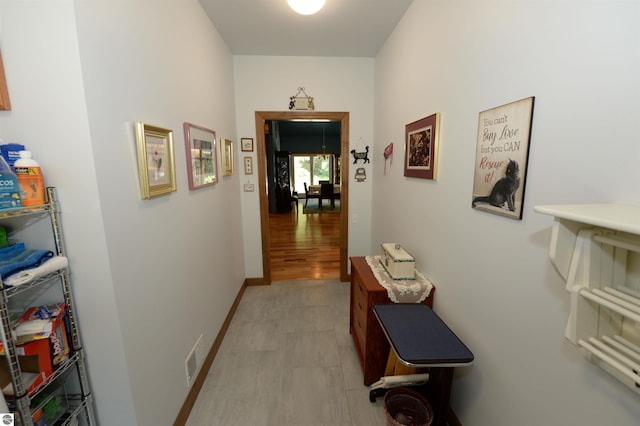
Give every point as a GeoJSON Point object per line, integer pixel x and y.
{"type": "Point", "coordinates": [263, 185]}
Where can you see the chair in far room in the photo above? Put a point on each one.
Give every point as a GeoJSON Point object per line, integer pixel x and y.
{"type": "Point", "coordinates": [310, 193]}
{"type": "Point", "coordinates": [295, 199]}
{"type": "Point", "coordinates": [326, 192]}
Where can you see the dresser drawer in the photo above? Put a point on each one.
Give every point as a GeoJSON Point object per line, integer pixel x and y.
{"type": "Point", "coordinates": [360, 302]}
{"type": "Point", "coordinates": [360, 328]}
{"type": "Point", "coordinates": [366, 333]}
{"type": "Point", "coordinates": [359, 312]}
{"type": "Point", "coordinates": [360, 318]}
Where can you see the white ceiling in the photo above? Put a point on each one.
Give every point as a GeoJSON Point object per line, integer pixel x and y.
{"type": "Point", "coordinates": [348, 28]}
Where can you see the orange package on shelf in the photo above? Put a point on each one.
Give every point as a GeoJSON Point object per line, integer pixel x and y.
{"type": "Point", "coordinates": [41, 344]}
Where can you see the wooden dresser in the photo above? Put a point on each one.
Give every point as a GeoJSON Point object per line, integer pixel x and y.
{"type": "Point", "coordinates": [371, 344]}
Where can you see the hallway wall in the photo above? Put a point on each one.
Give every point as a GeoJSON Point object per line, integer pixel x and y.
{"type": "Point", "coordinates": [48, 115]}
{"type": "Point", "coordinates": [495, 286]}
{"type": "Point", "coordinates": [149, 276]}
{"type": "Point", "coordinates": [337, 84]}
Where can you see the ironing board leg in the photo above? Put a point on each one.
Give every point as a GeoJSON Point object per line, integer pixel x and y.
{"type": "Point", "coordinates": [439, 392]}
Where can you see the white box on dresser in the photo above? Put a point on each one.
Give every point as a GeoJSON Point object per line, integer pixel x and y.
{"type": "Point", "coordinates": [399, 264]}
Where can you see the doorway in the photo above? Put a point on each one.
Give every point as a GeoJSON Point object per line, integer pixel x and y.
{"type": "Point", "coordinates": [262, 117]}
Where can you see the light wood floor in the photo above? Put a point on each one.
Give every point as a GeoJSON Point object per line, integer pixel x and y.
{"type": "Point", "coordinates": [288, 360]}
{"type": "Point", "coordinates": [304, 246]}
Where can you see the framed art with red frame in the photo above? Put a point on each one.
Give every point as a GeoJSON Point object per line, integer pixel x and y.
{"type": "Point", "coordinates": [421, 147]}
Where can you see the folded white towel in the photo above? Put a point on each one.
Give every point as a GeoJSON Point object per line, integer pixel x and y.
{"type": "Point", "coordinates": [53, 264]}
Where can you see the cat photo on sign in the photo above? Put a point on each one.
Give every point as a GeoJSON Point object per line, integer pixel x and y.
{"type": "Point", "coordinates": [502, 151]}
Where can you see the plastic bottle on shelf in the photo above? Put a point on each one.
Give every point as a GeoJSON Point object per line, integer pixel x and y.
{"type": "Point", "coordinates": [9, 187]}
{"type": "Point", "coordinates": [10, 152]}
{"type": "Point", "coordinates": [30, 179]}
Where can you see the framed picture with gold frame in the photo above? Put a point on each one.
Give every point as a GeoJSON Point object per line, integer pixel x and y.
{"type": "Point", "coordinates": [226, 146]}
{"type": "Point", "coordinates": [156, 166]}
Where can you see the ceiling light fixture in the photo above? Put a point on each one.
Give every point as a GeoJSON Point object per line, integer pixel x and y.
{"type": "Point", "coordinates": [306, 7]}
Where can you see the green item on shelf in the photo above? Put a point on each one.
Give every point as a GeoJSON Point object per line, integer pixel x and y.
{"type": "Point", "coordinates": [52, 408]}
{"type": "Point", "coordinates": [3, 237]}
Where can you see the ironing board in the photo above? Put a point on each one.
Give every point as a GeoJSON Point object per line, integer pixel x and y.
{"type": "Point", "coordinates": [420, 339]}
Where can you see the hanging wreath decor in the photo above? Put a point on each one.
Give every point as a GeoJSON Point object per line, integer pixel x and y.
{"type": "Point", "coordinates": [302, 103]}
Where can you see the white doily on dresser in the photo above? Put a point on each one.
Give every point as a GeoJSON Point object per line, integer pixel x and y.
{"type": "Point", "coordinates": [400, 291]}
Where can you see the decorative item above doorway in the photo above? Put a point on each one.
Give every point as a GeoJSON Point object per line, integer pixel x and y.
{"type": "Point", "coordinates": [421, 152]}
{"type": "Point", "coordinates": [301, 103]}
{"type": "Point", "coordinates": [502, 151]}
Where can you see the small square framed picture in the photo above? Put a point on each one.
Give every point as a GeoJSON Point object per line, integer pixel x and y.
{"type": "Point", "coordinates": [246, 144]}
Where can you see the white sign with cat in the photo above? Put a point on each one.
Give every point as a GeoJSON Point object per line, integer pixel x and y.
{"type": "Point", "coordinates": [504, 134]}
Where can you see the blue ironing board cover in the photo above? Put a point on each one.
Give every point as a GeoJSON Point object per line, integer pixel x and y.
{"type": "Point", "coordinates": [419, 337]}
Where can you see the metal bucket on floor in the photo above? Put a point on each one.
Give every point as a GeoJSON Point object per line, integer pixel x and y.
{"type": "Point", "coordinates": [405, 407]}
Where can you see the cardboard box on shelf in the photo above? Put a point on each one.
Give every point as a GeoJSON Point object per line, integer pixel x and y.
{"type": "Point", "coordinates": [52, 341]}
{"type": "Point", "coordinates": [32, 376]}
{"type": "Point", "coordinates": [43, 347]}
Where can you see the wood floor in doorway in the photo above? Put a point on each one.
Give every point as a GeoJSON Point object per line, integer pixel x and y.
{"type": "Point", "coordinates": [304, 246]}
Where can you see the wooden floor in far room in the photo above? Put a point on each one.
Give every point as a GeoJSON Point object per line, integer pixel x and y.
{"type": "Point", "coordinates": [304, 246]}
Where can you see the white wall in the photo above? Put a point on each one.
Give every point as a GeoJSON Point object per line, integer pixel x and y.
{"type": "Point", "coordinates": [149, 276]}
{"type": "Point", "coordinates": [336, 84]}
{"type": "Point", "coordinates": [176, 260]}
{"type": "Point", "coordinates": [48, 115]}
{"type": "Point", "coordinates": [495, 286]}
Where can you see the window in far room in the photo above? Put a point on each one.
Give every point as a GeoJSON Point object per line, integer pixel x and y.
{"type": "Point", "coordinates": [311, 168]}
